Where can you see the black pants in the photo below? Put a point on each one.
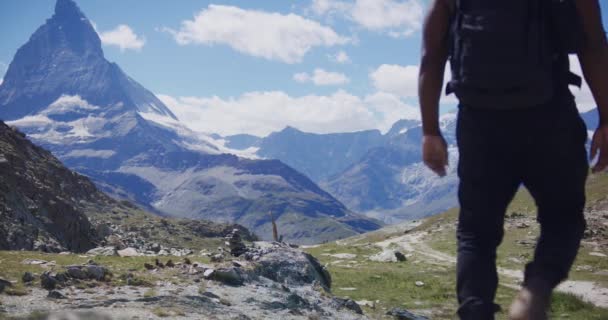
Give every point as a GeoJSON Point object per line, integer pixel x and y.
{"type": "Point", "coordinates": [541, 148]}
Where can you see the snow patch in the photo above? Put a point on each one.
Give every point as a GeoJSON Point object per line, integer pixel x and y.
{"type": "Point", "coordinates": [67, 103]}
{"type": "Point", "coordinates": [90, 153]}
{"type": "Point", "coordinates": [197, 141]}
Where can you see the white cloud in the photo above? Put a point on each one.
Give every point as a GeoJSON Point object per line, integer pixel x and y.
{"type": "Point", "coordinates": [123, 37]}
{"type": "Point", "coordinates": [272, 36]}
{"type": "Point", "coordinates": [261, 113]}
{"type": "Point", "coordinates": [340, 57]}
{"type": "Point", "coordinates": [403, 81]}
{"type": "Point", "coordinates": [1, 81]}
{"type": "Point", "coordinates": [397, 18]}
{"type": "Point", "coordinates": [396, 79]}
{"type": "Point", "coordinates": [584, 96]}
{"type": "Point", "coordinates": [321, 77]}
{"type": "Point", "coordinates": [401, 18]}
{"type": "Point", "coordinates": [323, 7]}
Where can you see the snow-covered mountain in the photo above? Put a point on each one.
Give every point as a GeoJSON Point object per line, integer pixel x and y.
{"type": "Point", "coordinates": [62, 92]}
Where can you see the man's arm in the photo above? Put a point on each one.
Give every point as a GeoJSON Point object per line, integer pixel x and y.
{"type": "Point", "coordinates": [430, 83]}
{"type": "Point", "coordinates": [594, 62]}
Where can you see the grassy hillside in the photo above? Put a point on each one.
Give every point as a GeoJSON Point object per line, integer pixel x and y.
{"type": "Point", "coordinates": [430, 247]}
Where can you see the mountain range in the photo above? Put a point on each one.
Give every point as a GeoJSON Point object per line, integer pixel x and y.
{"type": "Point", "coordinates": [62, 92]}
{"type": "Point", "coordinates": [379, 175]}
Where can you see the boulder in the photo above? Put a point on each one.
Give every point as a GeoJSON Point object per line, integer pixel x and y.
{"type": "Point", "coordinates": [230, 276]}
{"type": "Point", "coordinates": [348, 304]}
{"type": "Point", "coordinates": [128, 252]}
{"type": "Point", "coordinates": [54, 294]}
{"type": "Point", "coordinates": [27, 277]}
{"type": "Point", "coordinates": [76, 272]}
{"type": "Point", "coordinates": [291, 266]}
{"type": "Point", "coordinates": [4, 284]}
{"type": "Point", "coordinates": [103, 251]}
{"type": "Point", "coordinates": [47, 281]}
{"type": "Point", "coordinates": [96, 272]}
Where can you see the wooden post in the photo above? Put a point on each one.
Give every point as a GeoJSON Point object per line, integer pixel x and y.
{"type": "Point", "coordinates": [275, 232]}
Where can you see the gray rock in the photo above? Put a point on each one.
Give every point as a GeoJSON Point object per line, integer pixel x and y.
{"type": "Point", "coordinates": [27, 277]}
{"type": "Point", "coordinates": [103, 251]}
{"type": "Point", "coordinates": [128, 252]}
{"type": "Point", "coordinates": [4, 284]}
{"type": "Point", "coordinates": [155, 247]}
{"type": "Point", "coordinates": [348, 304]}
{"type": "Point", "coordinates": [217, 257]}
{"type": "Point", "coordinates": [47, 281]}
{"type": "Point", "coordinates": [208, 273]}
{"type": "Point", "coordinates": [54, 294]}
{"type": "Point", "coordinates": [61, 277]}
{"type": "Point", "coordinates": [402, 314]}
{"type": "Point", "coordinates": [400, 256]}
{"type": "Point", "coordinates": [76, 272]}
{"type": "Point", "coordinates": [97, 272]}
{"type": "Point", "coordinates": [229, 276]}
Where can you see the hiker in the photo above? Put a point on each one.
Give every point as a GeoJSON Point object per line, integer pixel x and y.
{"type": "Point", "coordinates": [517, 125]}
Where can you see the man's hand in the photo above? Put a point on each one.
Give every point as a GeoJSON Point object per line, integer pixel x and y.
{"type": "Point", "coordinates": [435, 153]}
{"type": "Point", "coordinates": [599, 146]}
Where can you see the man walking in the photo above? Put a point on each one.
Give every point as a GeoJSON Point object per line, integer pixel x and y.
{"type": "Point", "coordinates": [517, 124]}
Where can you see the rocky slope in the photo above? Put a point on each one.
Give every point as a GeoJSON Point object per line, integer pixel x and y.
{"type": "Point", "coordinates": [39, 199]}
{"type": "Point", "coordinates": [267, 281]}
{"type": "Point", "coordinates": [45, 206]}
{"type": "Point", "coordinates": [62, 92]}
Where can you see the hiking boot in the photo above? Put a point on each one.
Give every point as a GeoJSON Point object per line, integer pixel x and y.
{"type": "Point", "coordinates": [530, 305]}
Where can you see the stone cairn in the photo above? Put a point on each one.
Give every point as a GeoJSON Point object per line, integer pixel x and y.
{"type": "Point", "coordinates": [235, 243]}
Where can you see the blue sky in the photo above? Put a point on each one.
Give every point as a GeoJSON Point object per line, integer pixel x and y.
{"type": "Point", "coordinates": [205, 67]}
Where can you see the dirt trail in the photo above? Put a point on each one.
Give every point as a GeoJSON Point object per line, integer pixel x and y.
{"type": "Point", "coordinates": [414, 243]}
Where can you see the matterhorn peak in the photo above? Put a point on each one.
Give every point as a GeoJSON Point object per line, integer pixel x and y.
{"type": "Point", "coordinates": [64, 58]}
{"type": "Point", "coordinates": [68, 9]}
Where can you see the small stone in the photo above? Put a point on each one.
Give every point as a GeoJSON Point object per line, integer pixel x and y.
{"type": "Point", "coordinates": [400, 256]}
{"type": "Point", "coordinates": [217, 257]}
{"type": "Point", "coordinates": [155, 247]}
{"type": "Point", "coordinates": [27, 277]}
{"type": "Point", "coordinates": [54, 294]}
{"type": "Point", "coordinates": [402, 314]}
{"type": "Point", "coordinates": [208, 273]}
{"type": "Point", "coordinates": [348, 304]}
{"type": "Point", "coordinates": [419, 283]}
{"type": "Point", "coordinates": [597, 254]}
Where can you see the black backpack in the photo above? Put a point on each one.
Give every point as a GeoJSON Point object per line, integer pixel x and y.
{"type": "Point", "coordinates": [508, 54]}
